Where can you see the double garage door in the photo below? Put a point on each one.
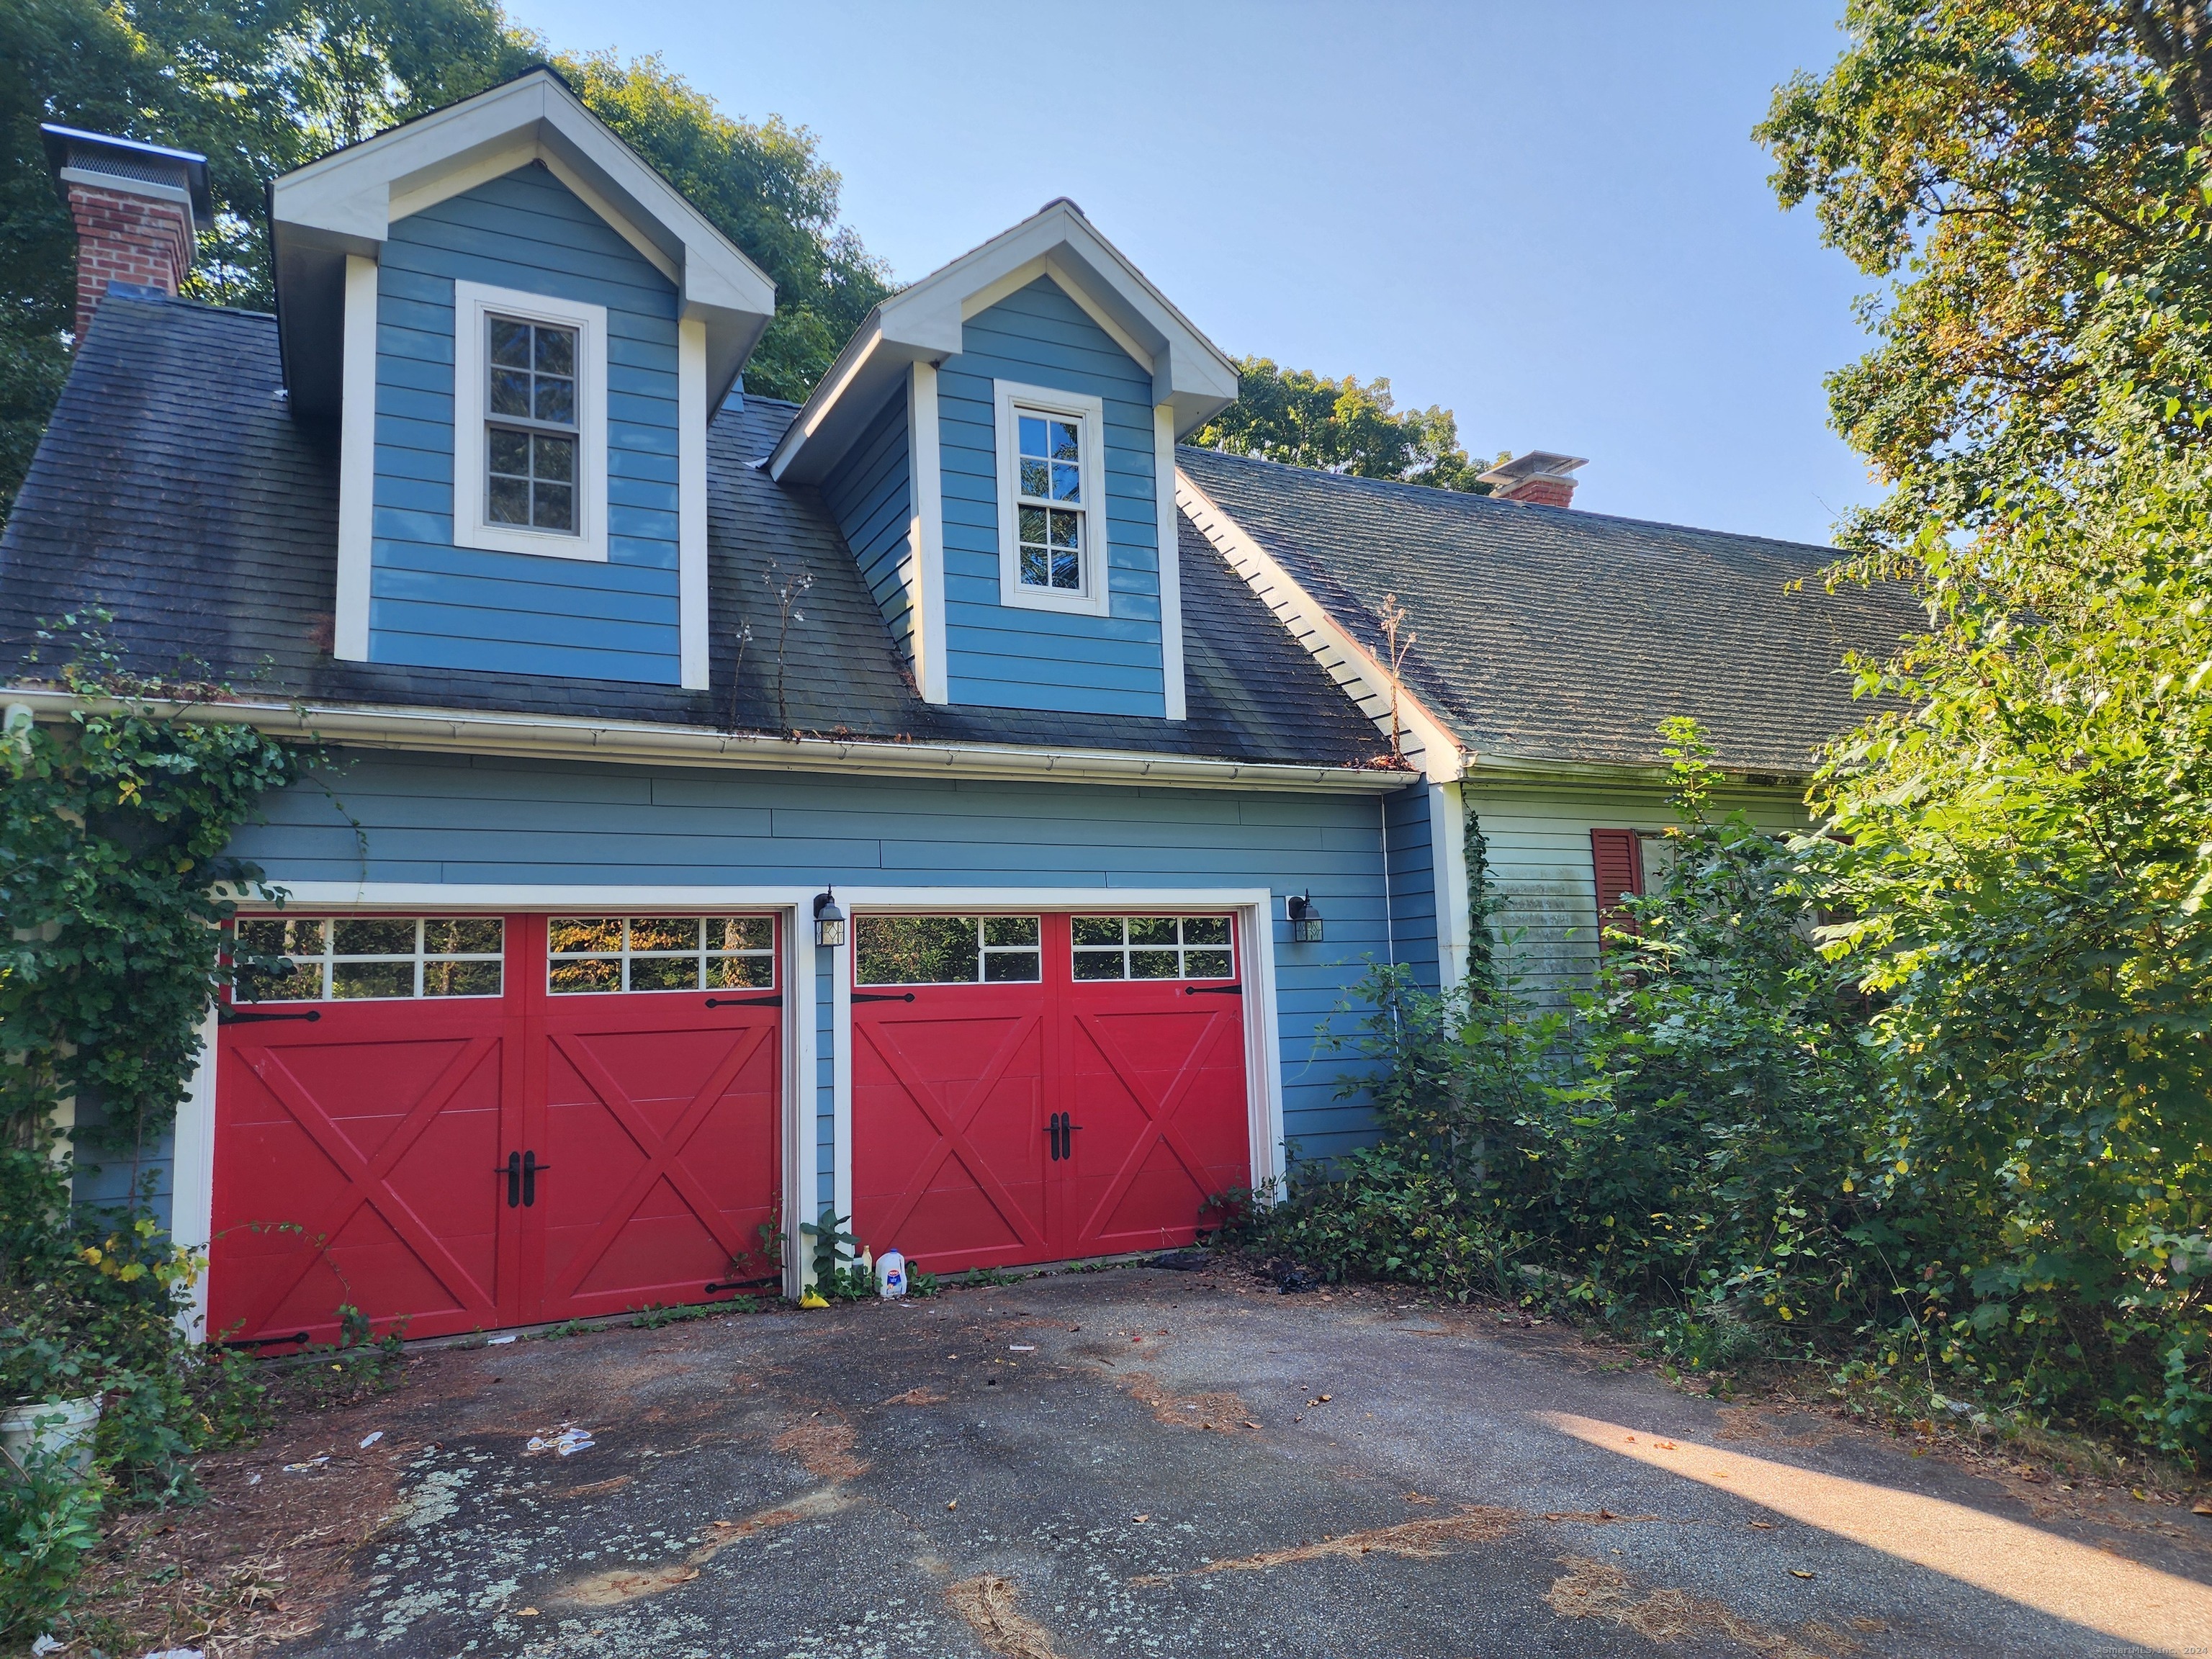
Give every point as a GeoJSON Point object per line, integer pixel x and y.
{"type": "Point", "coordinates": [476, 1121]}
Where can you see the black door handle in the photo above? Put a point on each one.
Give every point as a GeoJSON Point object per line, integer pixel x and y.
{"type": "Point", "coordinates": [1052, 1133]}
{"type": "Point", "coordinates": [1213, 990]}
{"type": "Point", "coordinates": [775, 1001]}
{"type": "Point", "coordinates": [531, 1169]}
{"type": "Point", "coordinates": [1060, 1128]}
{"type": "Point", "coordinates": [231, 1017]}
{"type": "Point", "coordinates": [513, 1170]}
{"type": "Point", "coordinates": [882, 996]}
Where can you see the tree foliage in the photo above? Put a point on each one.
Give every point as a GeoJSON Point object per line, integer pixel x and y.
{"type": "Point", "coordinates": [2024, 174]}
{"type": "Point", "coordinates": [1305, 419]}
{"type": "Point", "coordinates": [260, 86]}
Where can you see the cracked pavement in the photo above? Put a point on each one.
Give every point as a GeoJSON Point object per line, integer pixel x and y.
{"type": "Point", "coordinates": [1146, 1462]}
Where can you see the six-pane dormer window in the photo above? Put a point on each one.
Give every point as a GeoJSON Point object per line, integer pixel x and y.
{"type": "Point", "coordinates": [532, 428]}
{"type": "Point", "coordinates": [529, 423]}
{"type": "Point", "coordinates": [1051, 505]}
{"type": "Point", "coordinates": [1053, 539]}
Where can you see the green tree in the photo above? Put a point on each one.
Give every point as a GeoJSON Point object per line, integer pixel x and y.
{"type": "Point", "coordinates": [765, 186]}
{"type": "Point", "coordinates": [2024, 862]}
{"type": "Point", "coordinates": [1340, 426]}
{"type": "Point", "coordinates": [2024, 174]}
{"type": "Point", "coordinates": [260, 86]}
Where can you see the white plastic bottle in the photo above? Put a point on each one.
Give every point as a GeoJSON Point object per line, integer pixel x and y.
{"type": "Point", "coordinates": [890, 1275]}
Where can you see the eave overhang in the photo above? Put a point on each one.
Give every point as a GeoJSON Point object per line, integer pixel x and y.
{"type": "Point", "coordinates": [347, 203]}
{"type": "Point", "coordinates": [923, 323]}
{"type": "Point", "coordinates": [477, 731]}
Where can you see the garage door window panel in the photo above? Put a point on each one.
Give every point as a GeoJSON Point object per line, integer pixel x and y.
{"type": "Point", "coordinates": [1153, 947]}
{"type": "Point", "coordinates": [369, 959]}
{"type": "Point", "coordinates": [589, 955]}
{"type": "Point", "coordinates": [947, 951]}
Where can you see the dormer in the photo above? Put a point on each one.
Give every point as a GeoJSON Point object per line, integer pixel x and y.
{"type": "Point", "coordinates": [520, 329]}
{"type": "Point", "coordinates": [998, 443]}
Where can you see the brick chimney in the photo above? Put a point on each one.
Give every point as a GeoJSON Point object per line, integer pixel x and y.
{"type": "Point", "coordinates": [1540, 478]}
{"type": "Point", "coordinates": [138, 209]}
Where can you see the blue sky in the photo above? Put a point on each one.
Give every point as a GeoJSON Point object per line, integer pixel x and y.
{"type": "Point", "coordinates": [1550, 218]}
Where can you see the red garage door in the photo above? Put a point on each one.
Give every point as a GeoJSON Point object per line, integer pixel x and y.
{"type": "Point", "coordinates": [1039, 1088]}
{"type": "Point", "coordinates": [470, 1121]}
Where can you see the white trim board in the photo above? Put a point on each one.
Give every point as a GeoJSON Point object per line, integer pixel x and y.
{"type": "Point", "coordinates": [345, 204]}
{"type": "Point", "coordinates": [192, 1171]}
{"type": "Point", "coordinates": [925, 322]}
{"type": "Point", "coordinates": [1010, 401]}
{"type": "Point", "coordinates": [1254, 913]}
{"type": "Point", "coordinates": [474, 306]}
{"type": "Point", "coordinates": [193, 1180]}
{"type": "Point", "coordinates": [925, 462]}
{"type": "Point", "coordinates": [356, 464]}
{"type": "Point", "coordinates": [692, 612]}
{"type": "Point", "coordinates": [1253, 909]}
{"type": "Point", "coordinates": [1169, 535]}
{"type": "Point", "coordinates": [1428, 742]}
{"type": "Point", "coordinates": [1049, 265]}
{"type": "Point", "coordinates": [453, 731]}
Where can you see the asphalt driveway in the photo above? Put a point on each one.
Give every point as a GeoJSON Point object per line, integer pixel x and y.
{"type": "Point", "coordinates": [1139, 1462]}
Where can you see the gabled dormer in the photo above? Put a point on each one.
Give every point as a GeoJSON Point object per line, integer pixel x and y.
{"type": "Point", "coordinates": [997, 442]}
{"type": "Point", "coordinates": [520, 328]}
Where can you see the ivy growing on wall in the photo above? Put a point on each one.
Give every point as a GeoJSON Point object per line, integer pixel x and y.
{"type": "Point", "coordinates": [1483, 902]}
{"type": "Point", "coordinates": [112, 827]}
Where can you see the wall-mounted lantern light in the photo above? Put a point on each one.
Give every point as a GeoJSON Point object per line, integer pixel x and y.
{"type": "Point", "coordinates": [828, 919]}
{"type": "Point", "coordinates": [1305, 919]}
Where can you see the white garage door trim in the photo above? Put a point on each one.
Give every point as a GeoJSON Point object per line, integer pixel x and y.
{"type": "Point", "coordinates": [1256, 940]}
{"type": "Point", "coordinates": [193, 1179]}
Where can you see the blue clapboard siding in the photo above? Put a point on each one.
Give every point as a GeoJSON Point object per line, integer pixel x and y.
{"type": "Point", "coordinates": [437, 818]}
{"type": "Point", "coordinates": [1010, 658]}
{"type": "Point", "coordinates": [870, 493]}
{"type": "Point", "coordinates": [433, 605]}
{"type": "Point", "coordinates": [1412, 882]}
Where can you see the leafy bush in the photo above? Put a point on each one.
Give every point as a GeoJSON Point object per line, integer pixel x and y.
{"type": "Point", "coordinates": [1953, 1121]}
{"type": "Point", "coordinates": [113, 889]}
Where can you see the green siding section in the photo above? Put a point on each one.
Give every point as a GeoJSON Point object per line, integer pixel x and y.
{"type": "Point", "coordinates": [1539, 864]}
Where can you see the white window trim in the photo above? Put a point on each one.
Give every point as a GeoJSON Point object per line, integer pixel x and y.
{"type": "Point", "coordinates": [473, 304]}
{"type": "Point", "coordinates": [1090, 415]}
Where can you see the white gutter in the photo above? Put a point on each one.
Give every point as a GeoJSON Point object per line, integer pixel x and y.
{"type": "Point", "coordinates": [453, 731]}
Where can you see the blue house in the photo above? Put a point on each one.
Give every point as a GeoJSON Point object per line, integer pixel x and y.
{"type": "Point", "coordinates": [950, 805]}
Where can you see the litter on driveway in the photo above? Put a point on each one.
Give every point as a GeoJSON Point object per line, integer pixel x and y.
{"type": "Point", "coordinates": [567, 1442]}
{"type": "Point", "coordinates": [368, 1440]}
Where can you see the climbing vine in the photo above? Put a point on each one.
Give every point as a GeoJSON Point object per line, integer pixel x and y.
{"type": "Point", "coordinates": [112, 831]}
{"type": "Point", "coordinates": [1483, 902]}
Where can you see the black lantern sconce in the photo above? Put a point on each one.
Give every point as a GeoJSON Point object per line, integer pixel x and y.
{"type": "Point", "coordinates": [1305, 919]}
{"type": "Point", "coordinates": [829, 918]}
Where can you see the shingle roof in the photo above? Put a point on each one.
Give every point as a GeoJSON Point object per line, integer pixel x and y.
{"type": "Point", "coordinates": [1553, 633]}
{"type": "Point", "coordinates": [175, 489]}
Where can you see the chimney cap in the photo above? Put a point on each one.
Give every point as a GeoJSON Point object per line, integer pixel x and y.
{"type": "Point", "coordinates": [131, 158]}
{"type": "Point", "coordinates": [1536, 464]}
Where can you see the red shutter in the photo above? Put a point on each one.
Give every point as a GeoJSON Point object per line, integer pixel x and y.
{"type": "Point", "coordinates": [1618, 863]}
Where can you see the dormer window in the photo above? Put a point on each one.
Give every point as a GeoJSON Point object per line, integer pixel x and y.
{"type": "Point", "coordinates": [1052, 522]}
{"type": "Point", "coordinates": [529, 423]}
{"type": "Point", "coordinates": [532, 431]}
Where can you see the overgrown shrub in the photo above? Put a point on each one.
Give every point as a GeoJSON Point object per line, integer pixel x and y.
{"type": "Point", "coordinates": [113, 883]}
{"type": "Point", "coordinates": [1952, 1124]}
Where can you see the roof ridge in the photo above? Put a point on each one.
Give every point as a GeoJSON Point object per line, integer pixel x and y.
{"type": "Point", "coordinates": [1437, 494]}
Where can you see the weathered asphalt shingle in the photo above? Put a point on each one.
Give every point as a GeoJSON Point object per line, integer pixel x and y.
{"type": "Point", "coordinates": [174, 489]}
{"type": "Point", "coordinates": [1559, 634]}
